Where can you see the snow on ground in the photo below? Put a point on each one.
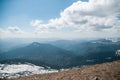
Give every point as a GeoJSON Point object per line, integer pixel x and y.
{"type": "Point", "coordinates": [17, 70]}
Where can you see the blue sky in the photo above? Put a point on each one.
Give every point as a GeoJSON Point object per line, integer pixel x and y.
{"type": "Point", "coordinates": [20, 12]}
{"type": "Point", "coordinates": [60, 18]}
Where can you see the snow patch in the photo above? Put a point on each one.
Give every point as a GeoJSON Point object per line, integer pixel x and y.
{"type": "Point", "coordinates": [17, 70]}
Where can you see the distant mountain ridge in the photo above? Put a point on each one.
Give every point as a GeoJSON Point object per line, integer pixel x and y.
{"type": "Point", "coordinates": [40, 53]}
{"type": "Point", "coordinates": [64, 53]}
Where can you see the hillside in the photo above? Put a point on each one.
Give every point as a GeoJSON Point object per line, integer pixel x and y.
{"type": "Point", "coordinates": [105, 71]}
{"type": "Point", "coordinates": [40, 54]}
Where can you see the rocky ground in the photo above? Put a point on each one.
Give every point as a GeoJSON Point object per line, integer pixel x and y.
{"type": "Point", "coordinates": [105, 71]}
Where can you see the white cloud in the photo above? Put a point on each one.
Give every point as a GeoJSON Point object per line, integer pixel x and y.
{"type": "Point", "coordinates": [36, 22]}
{"type": "Point", "coordinates": [12, 32]}
{"type": "Point", "coordinates": [92, 14]}
{"type": "Point", "coordinates": [95, 15]}
{"type": "Point", "coordinates": [82, 19]}
{"type": "Point", "coordinates": [14, 29]}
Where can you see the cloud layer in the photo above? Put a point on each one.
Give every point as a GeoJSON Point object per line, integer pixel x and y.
{"type": "Point", "coordinates": [12, 32]}
{"type": "Point", "coordinates": [95, 15]}
{"type": "Point", "coordinates": [92, 18]}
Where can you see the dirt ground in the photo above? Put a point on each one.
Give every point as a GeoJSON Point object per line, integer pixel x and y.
{"type": "Point", "coordinates": [105, 71]}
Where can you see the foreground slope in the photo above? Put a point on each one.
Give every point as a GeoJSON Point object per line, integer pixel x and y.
{"type": "Point", "coordinates": [106, 71]}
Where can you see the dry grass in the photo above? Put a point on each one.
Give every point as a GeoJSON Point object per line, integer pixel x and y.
{"type": "Point", "coordinates": [106, 71]}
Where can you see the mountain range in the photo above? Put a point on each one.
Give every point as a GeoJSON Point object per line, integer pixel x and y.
{"type": "Point", "coordinates": [63, 53]}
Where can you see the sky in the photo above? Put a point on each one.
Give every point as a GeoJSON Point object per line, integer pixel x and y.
{"type": "Point", "coordinates": [59, 18]}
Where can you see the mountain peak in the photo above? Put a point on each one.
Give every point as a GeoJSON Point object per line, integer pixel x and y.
{"type": "Point", "coordinates": [35, 44]}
